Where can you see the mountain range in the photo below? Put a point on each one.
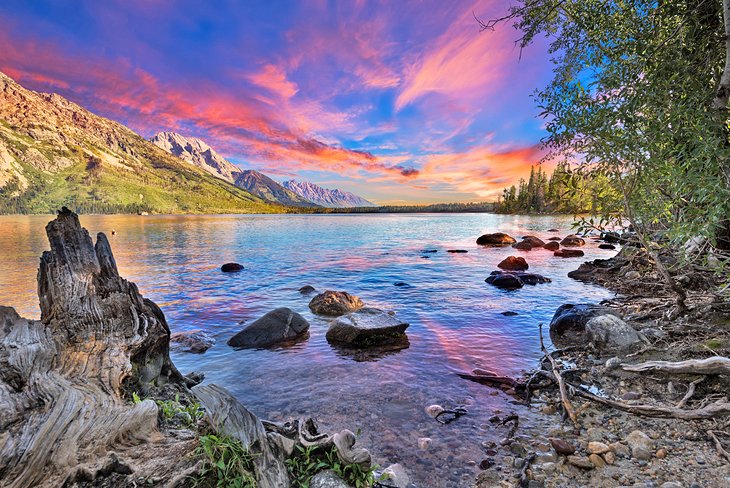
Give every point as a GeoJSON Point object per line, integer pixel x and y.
{"type": "Point", "coordinates": [325, 197]}
{"type": "Point", "coordinates": [55, 153]}
{"type": "Point", "coordinates": [291, 193]}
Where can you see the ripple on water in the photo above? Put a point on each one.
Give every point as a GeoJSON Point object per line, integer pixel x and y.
{"type": "Point", "coordinates": [456, 319]}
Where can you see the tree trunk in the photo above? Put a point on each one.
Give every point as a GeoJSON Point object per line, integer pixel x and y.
{"type": "Point", "coordinates": [62, 378]}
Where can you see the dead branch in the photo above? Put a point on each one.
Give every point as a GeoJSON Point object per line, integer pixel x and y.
{"type": "Point", "coordinates": [690, 392]}
{"type": "Point", "coordinates": [713, 410]}
{"type": "Point", "coordinates": [561, 383]}
{"type": "Point", "coordinates": [712, 365]}
{"type": "Point", "coordinates": [718, 445]}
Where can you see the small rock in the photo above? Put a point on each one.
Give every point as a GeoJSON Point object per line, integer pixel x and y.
{"type": "Point", "coordinates": [641, 453]}
{"type": "Point", "coordinates": [397, 476]}
{"type": "Point", "coordinates": [613, 363]}
{"type": "Point", "coordinates": [580, 462]}
{"type": "Point", "coordinates": [568, 253]}
{"type": "Point", "coordinates": [552, 246]}
{"type": "Point", "coordinates": [424, 442]}
{"type": "Point", "coordinates": [306, 290]}
{"type": "Point", "coordinates": [231, 267]}
{"type": "Point", "coordinates": [561, 446]}
{"type": "Point", "coordinates": [661, 453]}
{"type": "Point", "coordinates": [597, 461]}
{"type": "Point", "coordinates": [514, 263]}
{"type": "Point", "coordinates": [596, 447]}
{"type": "Point", "coordinates": [518, 449]}
{"type": "Point", "coordinates": [630, 395]}
{"type": "Point", "coordinates": [573, 241]}
{"type": "Point", "coordinates": [335, 303]}
{"type": "Point", "coordinates": [327, 479]}
{"type": "Point", "coordinates": [434, 410]}
{"type": "Point", "coordinates": [548, 468]}
{"type": "Point", "coordinates": [368, 327]}
{"type": "Point", "coordinates": [621, 450]}
{"type": "Point", "coordinates": [457, 251]}
{"type": "Point", "coordinates": [609, 457]}
{"type": "Point", "coordinates": [509, 314]}
{"type": "Point", "coordinates": [607, 332]}
{"type": "Point", "coordinates": [606, 246]}
{"type": "Point", "coordinates": [523, 246]}
{"type": "Point", "coordinates": [496, 239]}
{"type": "Point", "coordinates": [549, 409]}
{"type": "Point", "coordinates": [639, 439]}
{"type": "Point", "coordinates": [194, 341]}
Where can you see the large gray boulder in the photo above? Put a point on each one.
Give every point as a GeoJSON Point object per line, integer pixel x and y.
{"type": "Point", "coordinates": [366, 328]}
{"type": "Point", "coordinates": [573, 318]}
{"type": "Point", "coordinates": [279, 325]}
{"type": "Point", "coordinates": [335, 303]}
{"type": "Point", "coordinates": [608, 332]}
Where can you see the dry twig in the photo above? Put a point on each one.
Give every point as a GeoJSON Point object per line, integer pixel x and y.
{"type": "Point", "coordinates": [561, 383]}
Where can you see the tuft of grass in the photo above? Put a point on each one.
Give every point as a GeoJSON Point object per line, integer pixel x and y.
{"type": "Point", "coordinates": [172, 410]}
{"type": "Point", "coordinates": [308, 461]}
{"type": "Point", "coordinates": [226, 464]}
{"type": "Point", "coordinates": [715, 344]}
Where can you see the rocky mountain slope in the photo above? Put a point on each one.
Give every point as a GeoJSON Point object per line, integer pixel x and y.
{"type": "Point", "coordinates": [199, 153]}
{"type": "Point", "coordinates": [326, 197]}
{"type": "Point", "coordinates": [262, 186]}
{"type": "Point", "coordinates": [54, 153]}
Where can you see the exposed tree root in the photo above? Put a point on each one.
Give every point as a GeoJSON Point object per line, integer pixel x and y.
{"type": "Point", "coordinates": [561, 384]}
{"type": "Point", "coordinates": [712, 365]}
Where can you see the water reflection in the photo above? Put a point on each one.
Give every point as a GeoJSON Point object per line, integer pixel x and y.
{"type": "Point", "coordinates": [456, 319]}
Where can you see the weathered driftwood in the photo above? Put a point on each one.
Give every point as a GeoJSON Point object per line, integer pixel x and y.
{"type": "Point", "coordinates": [561, 383]}
{"type": "Point", "coordinates": [712, 365]}
{"type": "Point", "coordinates": [61, 378]}
{"type": "Point", "coordinates": [63, 414]}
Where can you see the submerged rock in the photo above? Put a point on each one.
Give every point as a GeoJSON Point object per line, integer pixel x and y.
{"type": "Point", "coordinates": [397, 476]}
{"type": "Point", "coordinates": [335, 303]}
{"type": "Point", "coordinates": [279, 325]}
{"type": "Point", "coordinates": [514, 263]}
{"type": "Point", "coordinates": [457, 251]}
{"type": "Point", "coordinates": [552, 246]}
{"type": "Point", "coordinates": [608, 332]}
{"type": "Point", "coordinates": [523, 246]}
{"type": "Point", "coordinates": [573, 241]}
{"type": "Point", "coordinates": [534, 241]}
{"type": "Point", "coordinates": [306, 290]}
{"type": "Point", "coordinates": [512, 280]}
{"type": "Point", "coordinates": [606, 246]}
{"type": "Point", "coordinates": [496, 239]}
{"type": "Point", "coordinates": [555, 239]}
{"type": "Point", "coordinates": [569, 253]}
{"type": "Point", "coordinates": [195, 341]}
{"type": "Point", "coordinates": [367, 327]}
{"type": "Point", "coordinates": [231, 267]}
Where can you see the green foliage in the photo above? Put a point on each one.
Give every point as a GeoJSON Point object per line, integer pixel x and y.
{"type": "Point", "coordinates": [567, 191]}
{"type": "Point", "coordinates": [187, 413]}
{"type": "Point", "coordinates": [633, 98]}
{"type": "Point", "coordinates": [135, 398]}
{"type": "Point", "coordinates": [308, 461]}
{"type": "Point", "coordinates": [226, 464]}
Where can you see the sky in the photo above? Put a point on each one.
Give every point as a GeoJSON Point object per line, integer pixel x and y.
{"type": "Point", "coordinates": [400, 101]}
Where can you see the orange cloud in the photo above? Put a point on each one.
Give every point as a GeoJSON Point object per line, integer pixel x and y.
{"type": "Point", "coordinates": [462, 63]}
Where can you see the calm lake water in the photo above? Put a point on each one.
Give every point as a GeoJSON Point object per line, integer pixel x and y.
{"type": "Point", "coordinates": [456, 318]}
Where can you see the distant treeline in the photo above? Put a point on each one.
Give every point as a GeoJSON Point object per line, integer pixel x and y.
{"type": "Point", "coordinates": [432, 208]}
{"type": "Point", "coordinates": [565, 191]}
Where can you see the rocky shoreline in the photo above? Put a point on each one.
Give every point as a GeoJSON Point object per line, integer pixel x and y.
{"type": "Point", "coordinates": [646, 408]}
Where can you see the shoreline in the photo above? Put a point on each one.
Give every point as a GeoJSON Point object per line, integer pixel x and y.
{"type": "Point", "coordinates": [627, 429]}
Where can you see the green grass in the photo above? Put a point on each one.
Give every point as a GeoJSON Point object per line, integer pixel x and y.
{"type": "Point", "coordinates": [226, 464]}
{"type": "Point", "coordinates": [158, 183]}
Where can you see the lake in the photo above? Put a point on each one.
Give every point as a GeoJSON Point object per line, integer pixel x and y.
{"type": "Point", "coordinates": [456, 318]}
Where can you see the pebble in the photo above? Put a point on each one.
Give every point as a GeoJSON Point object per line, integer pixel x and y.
{"type": "Point", "coordinates": [580, 462]}
{"type": "Point", "coordinates": [638, 439]}
{"type": "Point", "coordinates": [561, 446]}
{"type": "Point", "coordinates": [596, 447]}
{"type": "Point", "coordinates": [661, 453]}
{"type": "Point", "coordinates": [549, 409]}
{"type": "Point", "coordinates": [613, 363]}
{"type": "Point", "coordinates": [621, 450]}
{"type": "Point", "coordinates": [424, 442]}
{"type": "Point", "coordinates": [597, 460]}
{"type": "Point", "coordinates": [434, 410]}
{"type": "Point", "coordinates": [518, 449]}
{"type": "Point", "coordinates": [609, 457]}
{"type": "Point", "coordinates": [630, 395]}
{"type": "Point", "coordinates": [641, 453]}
